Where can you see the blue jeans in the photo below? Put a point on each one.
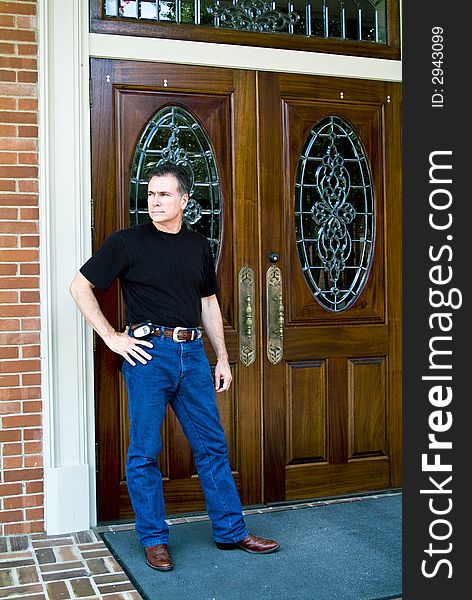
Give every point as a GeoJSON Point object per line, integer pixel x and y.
{"type": "Point", "coordinates": [178, 373]}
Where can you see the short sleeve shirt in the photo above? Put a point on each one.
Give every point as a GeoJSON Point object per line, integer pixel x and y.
{"type": "Point", "coordinates": [163, 275]}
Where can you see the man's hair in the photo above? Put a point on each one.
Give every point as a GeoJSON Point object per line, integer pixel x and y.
{"type": "Point", "coordinates": [178, 171]}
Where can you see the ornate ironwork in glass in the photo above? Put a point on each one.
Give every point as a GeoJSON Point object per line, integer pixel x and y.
{"type": "Point", "coordinates": [361, 20]}
{"type": "Point", "coordinates": [334, 214]}
{"type": "Point", "coordinates": [174, 135]}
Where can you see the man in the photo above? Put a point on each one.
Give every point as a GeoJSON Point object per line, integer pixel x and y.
{"type": "Point", "coordinates": [169, 287]}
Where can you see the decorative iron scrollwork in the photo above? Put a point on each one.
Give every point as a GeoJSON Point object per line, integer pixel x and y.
{"type": "Point", "coordinates": [359, 20]}
{"type": "Point", "coordinates": [174, 153]}
{"type": "Point", "coordinates": [333, 213]}
{"type": "Point", "coordinates": [252, 15]}
{"type": "Point", "coordinates": [174, 135]}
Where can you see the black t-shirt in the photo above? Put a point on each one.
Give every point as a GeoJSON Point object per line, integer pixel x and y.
{"type": "Point", "coordinates": [163, 275]}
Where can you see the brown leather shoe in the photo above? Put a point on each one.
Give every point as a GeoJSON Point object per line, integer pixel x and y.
{"type": "Point", "coordinates": [252, 544]}
{"type": "Point", "coordinates": [157, 557]}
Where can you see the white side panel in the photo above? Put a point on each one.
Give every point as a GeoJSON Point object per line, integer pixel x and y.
{"type": "Point", "coordinates": [67, 508]}
{"type": "Point", "coordinates": [66, 351]}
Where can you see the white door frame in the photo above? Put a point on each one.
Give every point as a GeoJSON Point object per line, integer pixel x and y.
{"type": "Point", "coordinates": [65, 46]}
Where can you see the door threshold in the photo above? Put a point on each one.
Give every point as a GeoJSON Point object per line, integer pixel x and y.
{"type": "Point", "coordinates": [176, 519]}
{"type": "Point", "coordinates": [335, 499]}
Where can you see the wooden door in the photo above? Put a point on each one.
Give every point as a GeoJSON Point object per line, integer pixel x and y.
{"type": "Point", "coordinates": [322, 417]}
{"type": "Point", "coordinates": [332, 400]}
{"type": "Point", "coordinates": [126, 96]}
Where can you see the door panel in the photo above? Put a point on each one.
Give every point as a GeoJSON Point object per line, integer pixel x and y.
{"type": "Point", "coordinates": [338, 371]}
{"type": "Point", "coordinates": [306, 420]}
{"type": "Point", "coordinates": [367, 396]}
{"type": "Point", "coordinates": [299, 118]}
{"type": "Point", "coordinates": [126, 95]}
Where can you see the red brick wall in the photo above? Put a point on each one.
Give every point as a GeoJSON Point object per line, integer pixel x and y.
{"type": "Point", "coordinates": [21, 474]}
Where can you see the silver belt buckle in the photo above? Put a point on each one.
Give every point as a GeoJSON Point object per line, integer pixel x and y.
{"type": "Point", "coordinates": [175, 333]}
{"type": "Point", "coordinates": [143, 331]}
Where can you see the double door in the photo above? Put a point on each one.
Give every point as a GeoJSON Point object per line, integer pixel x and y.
{"type": "Point", "coordinates": [296, 182]}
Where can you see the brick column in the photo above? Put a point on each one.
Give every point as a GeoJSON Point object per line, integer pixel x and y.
{"type": "Point", "coordinates": [21, 472]}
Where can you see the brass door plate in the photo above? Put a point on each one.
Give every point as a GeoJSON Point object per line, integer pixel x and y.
{"type": "Point", "coordinates": [275, 314]}
{"type": "Point", "coordinates": [247, 350]}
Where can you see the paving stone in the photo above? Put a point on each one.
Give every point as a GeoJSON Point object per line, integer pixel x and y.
{"type": "Point", "coordinates": [96, 553]}
{"type": "Point", "coordinates": [65, 553]}
{"type": "Point", "coordinates": [115, 587]}
{"type": "Point", "coordinates": [114, 564]}
{"type": "Point", "coordinates": [6, 578]}
{"type": "Point", "coordinates": [45, 555]}
{"type": "Point", "coordinates": [27, 575]}
{"type": "Point", "coordinates": [44, 536]}
{"type": "Point", "coordinates": [97, 566]}
{"type": "Point", "coordinates": [65, 575]}
{"type": "Point", "coordinates": [14, 555]}
{"type": "Point", "coordinates": [97, 545]}
{"type": "Point", "coordinates": [57, 591]}
{"type": "Point", "coordinates": [85, 537]}
{"type": "Point", "coordinates": [62, 566]}
{"type": "Point", "coordinates": [10, 564]}
{"type": "Point", "coordinates": [23, 590]}
{"type": "Point", "coordinates": [110, 578]}
{"type": "Point", "coordinates": [51, 542]}
{"type": "Point", "coordinates": [82, 587]}
{"type": "Point", "coordinates": [19, 542]}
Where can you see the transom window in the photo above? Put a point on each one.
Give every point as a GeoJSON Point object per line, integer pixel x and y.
{"type": "Point", "coordinates": [368, 28]}
{"type": "Point", "coordinates": [363, 20]}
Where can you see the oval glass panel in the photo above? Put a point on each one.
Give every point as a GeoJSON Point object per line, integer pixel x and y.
{"type": "Point", "coordinates": [334, 214]}
{"type": "Point", "coordinates": [174, 135]}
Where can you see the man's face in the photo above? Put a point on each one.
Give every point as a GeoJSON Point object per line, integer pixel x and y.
{"type": "Point", "coordinates": [165, 203]}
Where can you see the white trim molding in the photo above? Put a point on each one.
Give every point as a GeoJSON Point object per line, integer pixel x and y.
{"type": "Point", "coordinates": [242, 57]}
{"type": "Point", "coordinates": [66, 350]}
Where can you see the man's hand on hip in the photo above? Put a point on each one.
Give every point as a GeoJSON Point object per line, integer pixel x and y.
{"type": "Point", "coordinates": [129, 348]}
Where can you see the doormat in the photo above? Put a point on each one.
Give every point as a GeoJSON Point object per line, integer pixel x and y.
{"type": "Point", "coordinates": [342, 551]}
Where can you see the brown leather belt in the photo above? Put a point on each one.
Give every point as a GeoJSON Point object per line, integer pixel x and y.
{"type": "Point", "coordinates": [178, 334]}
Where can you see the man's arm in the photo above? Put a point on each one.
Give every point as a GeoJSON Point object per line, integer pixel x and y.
{"type": "Point", "coordinates": [82, 291]}
{"type": "Point", "coordinates": [213, 325]}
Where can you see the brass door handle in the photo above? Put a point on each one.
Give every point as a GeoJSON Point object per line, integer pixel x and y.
{"type": "Point", "coordinates": [281, 318]}
{"type": "Point", "coordinates": [247, 350]}
{"type": "Point", "coordinates": [248, 316]}
{"type": "Point", "coordinates": [275, 314]}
